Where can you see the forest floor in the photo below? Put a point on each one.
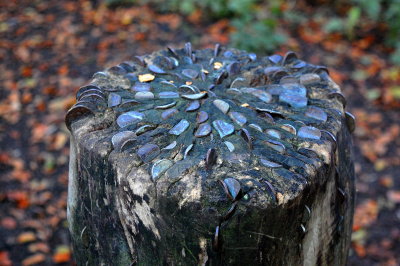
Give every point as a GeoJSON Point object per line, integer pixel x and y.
{"type": "Point", "coordinates": [48, 49]}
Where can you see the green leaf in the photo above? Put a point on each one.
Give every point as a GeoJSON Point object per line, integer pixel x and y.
{"type": "Point", "coordinates": [187, 7]}
{"type": "Point", "coordinates": [241, 6]}
{"type": "Point", "coordinates": [359, 75]}
{"type": "Point", "coordinates": [373, 94]}
{"type": "Point", "coordinates": [359, 235]}
{"type": "Point", "coordinates": [256, 36]}
{"type": "Point", "coordinates": [294, 17]}
{"type": "Point", "coordinates": [334, 25]}
{"type": "Point", "coordinates": [371, 8]}
{"type": "Point", "coordinates": [395, 91]}
{"type": "Point", "coordinates": [353, 17]}
{"type": "Point", "coordinates": [395, 56]}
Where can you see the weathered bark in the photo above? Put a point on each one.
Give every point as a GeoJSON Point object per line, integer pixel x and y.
{"type": "Point", "coordinates": [282, 197]}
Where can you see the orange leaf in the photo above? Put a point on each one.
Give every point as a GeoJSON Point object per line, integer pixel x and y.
{"type": "Point", "coordinates": [41, 106]}
{"type": "Point", "coordinates": [359, 249]}
{"type": "Point", "coordinates": [218, 31]}
{"type": "Point", "coordinates": [63, 254]}
{"type": "Point", "coordinates": [337, 76]}
{"type": "Point", "coordinates": [59, 141]}
{"type": "Point", "coordinates": [63, 70]}
{"type": "Point", "coordinates": [139, 36]}
{"type": "Point", "coordinates": [174, 21]}
{"type": "Point", "coordinates": [311, 35]}
{"type": "Point", "coordinates": [26, 71]}
{"type": "Point", "coordinates": [4, 259]}
{"type": "Point", "coordinates": [26, 237]}
{"type": "Point", "coordinates": [20, 197]}
{"type": "Point", "coordinates": [39, 247]}
{"type": "Point", "coordinates": [366, 213]}
{"type": "Point", "coordinates": [26, 97]}
{"type": "Point", "coordinates": [61, 258]}
{"type": "Point", "coordinates": [34, 259]}
{"type": "Point", "coordinates": [386, 181]}
{"type": "Point", "coordinates": [49, 90]}
{"type": "Point", "coordinates": [365, 42]}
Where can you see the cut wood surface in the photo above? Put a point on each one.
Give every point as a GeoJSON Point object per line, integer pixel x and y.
{"type": "Point", "coordinates": [211, 157]}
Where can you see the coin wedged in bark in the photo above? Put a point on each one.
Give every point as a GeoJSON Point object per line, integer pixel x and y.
{"type": "Point", "coordinates": [219, 131]}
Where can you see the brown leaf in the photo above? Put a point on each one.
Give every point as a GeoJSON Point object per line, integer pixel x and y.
{"type": "Point", "coordinates": [59, 141]}
{"type": "Point", "coordinates": [22, 53]}
{"type": "Point", "coordinates": [39, 132]}
{"type": "Point", "coordinates": [8, 223]}
{"type": "Point", "coordinates": [39, 247]}
{"type": "Point", "coordinates": [394, 196]}
{"type": "Point", "coordinates": [26, 71]}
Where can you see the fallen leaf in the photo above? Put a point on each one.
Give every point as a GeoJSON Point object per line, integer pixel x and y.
{"type": "Point", "coordinates": [8, 223]}
{"type": "Point", "coordinates": [380, 165]}
{"type": "Point", "coordinates": [34, 259]}
{"type": "Point", "coordinates": [20, 197]}
{"type": "Point", "coordinates": [26, 98]}
{"type": "Point", "coordinates": [359, 236]}
{"type": "Point", "coordinates": [39, 247]}
{"type": "Point", "coordinates": [4, 259]}
{"type": "Point", "coordinates": [386, 181]}
{"type": "Point", "coordinates": [359, 249]}
{"type": "Point", "coordinates": [59, 141]}
{"type": "Point", "coordinates": [63, 70]}
{"type": "Point", "coordinates": [62, 254]}
{"type": "Point", "coordinates": [26, 237]}
{"type": "Point", "coordinates": [393, 196]}
{"type": "Point", "coordinates": [26, 71]}
{"type": "Point", "coordinates": [365, 214]}
{"type": "Point", "coordinates": [395, 92]}
{"type": "Point", "coordinates": [61, 104]}
{"type": "Point", "coordinates": [310, 35]}
{"type": "Point", "coordinates": [337, 76]}
{"type": "Point", "coordinates": [39, 132]}
{"type": "Point", "coordinates": [22, 53]}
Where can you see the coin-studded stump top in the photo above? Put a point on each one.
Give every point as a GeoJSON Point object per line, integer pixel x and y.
{"type": "Point", "coordinates": [240, 128]}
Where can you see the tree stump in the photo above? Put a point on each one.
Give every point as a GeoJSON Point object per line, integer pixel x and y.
{"type": "Point", "coordinates": [211, 157]}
